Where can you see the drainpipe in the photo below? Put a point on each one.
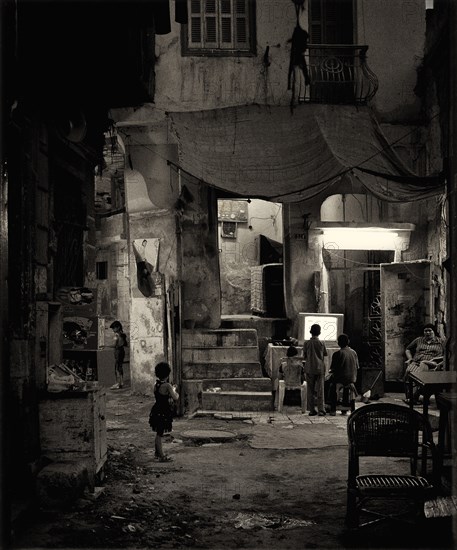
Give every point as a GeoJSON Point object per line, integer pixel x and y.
{"type": "Point", "coordinates": [452, 198]}
{"type": "Point", "coordinates": [346, 284]}
{"type": "Point", "coordinates": [177, 309]}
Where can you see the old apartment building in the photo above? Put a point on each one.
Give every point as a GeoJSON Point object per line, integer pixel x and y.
{"type": "Point", "coordinates": [310, 106]}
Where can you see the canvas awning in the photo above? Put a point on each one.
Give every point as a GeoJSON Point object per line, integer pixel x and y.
{"type": "Point", "coordinates": [272, 153]}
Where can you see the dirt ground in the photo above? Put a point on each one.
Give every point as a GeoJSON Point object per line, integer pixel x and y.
{"type": "Point", "coordinates": [215, 495]}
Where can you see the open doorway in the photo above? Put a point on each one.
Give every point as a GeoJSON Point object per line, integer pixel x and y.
{"type": "Point", "coordinates": [355, 241]}
{"type": "Point", "coordinates": [355, 290]}
{"type": "Point", "coordinates": [250, 237]}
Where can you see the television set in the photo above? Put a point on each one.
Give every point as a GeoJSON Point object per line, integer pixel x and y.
{"type": "Point", "coordinates": [331, 327]}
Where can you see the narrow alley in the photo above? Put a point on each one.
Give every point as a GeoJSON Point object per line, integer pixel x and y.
{"type": "Point", "coordinates": [244, 214]}
{"type": "Point", "coordinates": [257, 480]}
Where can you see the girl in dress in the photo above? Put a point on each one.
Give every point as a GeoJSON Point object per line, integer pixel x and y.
{"type": "Point", "coordinates": [161, 415]}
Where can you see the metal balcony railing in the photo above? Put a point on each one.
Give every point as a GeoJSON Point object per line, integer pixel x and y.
{"type": "Point", "coordinates": [338, 74]}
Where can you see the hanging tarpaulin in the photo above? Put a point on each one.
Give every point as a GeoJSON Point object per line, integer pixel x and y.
{"type": "Point", "coordinates": [268, 152]}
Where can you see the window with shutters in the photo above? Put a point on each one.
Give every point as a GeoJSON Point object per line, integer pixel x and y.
{"type": "Point", "coordinates": [332, 70]}
{"type": "Point", "coordinates": [219, 27]}
{"type": "Point", "coordinates": [331, 22]}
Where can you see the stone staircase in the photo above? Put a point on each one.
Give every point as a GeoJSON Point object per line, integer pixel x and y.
{"type": "Point", "coordinates": [221, 371]}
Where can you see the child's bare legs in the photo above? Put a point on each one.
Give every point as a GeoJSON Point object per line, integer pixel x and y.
{"type": "Point", "coordinates": [158, 446]}
{"type": "Point", "coordinates": [119, 374]}
{"type": "Point", "coordinates": [159, 450]}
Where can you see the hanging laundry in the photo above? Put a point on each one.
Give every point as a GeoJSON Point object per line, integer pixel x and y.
{"type": "Point", "coordinates": [298, 70]}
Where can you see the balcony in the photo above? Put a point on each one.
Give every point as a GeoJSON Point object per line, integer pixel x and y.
{"type": "Point", "coordinates": [338, 74]}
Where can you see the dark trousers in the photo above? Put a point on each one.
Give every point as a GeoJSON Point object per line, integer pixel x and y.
{"type": "Point", "coordinates": [333, 397]}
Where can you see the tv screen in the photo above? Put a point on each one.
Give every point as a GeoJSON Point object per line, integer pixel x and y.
{"type": "Point", "coordinates": [331, 326]}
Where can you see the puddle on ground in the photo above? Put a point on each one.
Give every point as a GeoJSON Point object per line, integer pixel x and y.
{"type": "Point", "coordinates": [254, 521]}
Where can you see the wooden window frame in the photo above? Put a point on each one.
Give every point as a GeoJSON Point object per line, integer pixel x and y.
{"type": "Point", "coordinates": [322, 21]}
{"type": "Point", "coordinates": [217, 48]}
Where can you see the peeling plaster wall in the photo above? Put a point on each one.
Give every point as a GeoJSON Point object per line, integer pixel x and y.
{"type": "Point", "coordinates": [395, 34]}
{"type": "Point", "coordinates": [148, 342]}
{"type": "Point", "coordinates": [188, 83]}
{"type": "Point", "coordinates": [302, 258]}
{"type": "Point", "coordinates": [200, 259]}
{"type": "Point", "coordinates": [154, 216]}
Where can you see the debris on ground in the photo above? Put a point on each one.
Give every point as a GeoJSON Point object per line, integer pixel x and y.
{"type": "Point", "coordinates": [262, 521]}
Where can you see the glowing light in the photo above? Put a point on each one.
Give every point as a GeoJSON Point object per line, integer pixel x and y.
{"type": "Point", "coordinates": [345, 238]}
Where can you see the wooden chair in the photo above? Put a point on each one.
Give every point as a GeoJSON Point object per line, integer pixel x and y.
{"type": "Point", "coordinates": [292, 375]}
{"type": "Point", "coordinates": [391, 431]}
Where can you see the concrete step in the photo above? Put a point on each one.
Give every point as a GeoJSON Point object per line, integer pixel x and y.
{"type": "Point", "coordinates": [218, 338]}
{"type": "Point", "coordinates": [238, 384]}
{"type": "Point", "coordinates": [207, 369]}
{"type": "Point", "coordinates": [235, 354]}
{"type": "Point", "coordinates": [265, 327]}
{"type": "Point", "coordinates": [236, 401]}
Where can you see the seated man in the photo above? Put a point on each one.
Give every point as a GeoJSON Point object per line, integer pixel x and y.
{"type": "Point", "coordinates": [423, 353]}
{"type": "Point", "coordinates": [343, 372]}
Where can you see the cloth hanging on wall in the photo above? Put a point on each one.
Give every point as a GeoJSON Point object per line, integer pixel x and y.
{"type": "Point", "coordinates": [181, 11]}
{"type": "Point", "coordinates": [268, 152]}
{"type": "Point", "coordinates": [161, 11]}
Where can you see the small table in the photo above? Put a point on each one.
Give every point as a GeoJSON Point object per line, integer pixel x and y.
{"type": "Point", "coordinates": [430, 382]}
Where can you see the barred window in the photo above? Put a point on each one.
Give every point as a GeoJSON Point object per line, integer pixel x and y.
{"type": "Point", "coordinates": [219, 27]}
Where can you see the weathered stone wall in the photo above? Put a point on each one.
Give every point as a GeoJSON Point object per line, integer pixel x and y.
{"type": "Point", "coordinates": [180, 214]}
{"type": "Point", "coordinates": [384, 26]}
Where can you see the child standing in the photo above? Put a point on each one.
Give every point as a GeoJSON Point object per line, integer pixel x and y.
{"type": "Point", "coordinates": [314, 352]}
{"type": "Point", "coordinates": [120, 342]}
{"type": "Point", "coordinates": [161, 415]}
{"type": "Point", "coordinates": [343, 370]}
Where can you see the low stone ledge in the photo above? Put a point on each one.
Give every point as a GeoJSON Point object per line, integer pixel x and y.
{"type": "Point", "coordinates": [61, 483]}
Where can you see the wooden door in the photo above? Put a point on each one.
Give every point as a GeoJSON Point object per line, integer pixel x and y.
{"type": "Point", "coordinates": [406, 305]}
